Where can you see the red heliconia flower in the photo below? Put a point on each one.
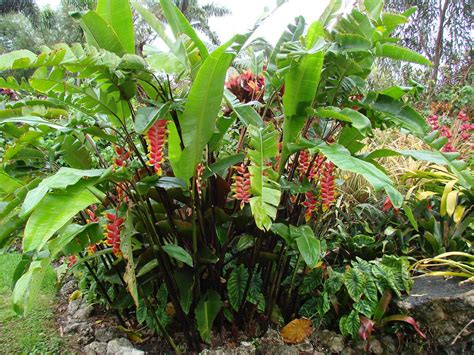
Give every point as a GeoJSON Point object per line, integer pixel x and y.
{"type": "Point", "coordinates": [388, 205]}
{"type": "Point", "coordinates": [448, 148]}
{"type": "Point", "coordinates": [199, 172]}
{"type": "Point", "coordinates": [445, 132]}
{"type": "Point", "coordinates": [8, 92]}
{"type": "Point", "coordinates": [112, 232]}
{"type": "Point", "coordinates": [121, 189]}
{"type": "Point", "coordinates": [91, 249]}
{"type": "Point", "coordinates": [317, 167]}
{"type": "Point", "coordinates": [327, 186]}
{"type": "Point", "coordinates": [277, 165]}
{"type": "Point", "coordinates": [433, 121]}
{"type": "Point", "coordinates": [156, 137]}
{"type": "Point", "coordinates": [122, 156]}
{"type": "Point", "coordinates": [357, 97]}
{"type": "Point", "coordinates": [304, 160]}
{"type": "Point", "coordinates": [311, 204]}
{"type": "Point", "coordinates": [242, 185]}
{"type": "Point", "coordinates": [72, 259]}
{"type": "Point", "coordinates": [246, 86]}
{"type": "Point", "coordinates": [465, 131]}
{"type": "Point", "coordinates": [462, 116]}
{"type": "Point", "coordinates": [91, 213]}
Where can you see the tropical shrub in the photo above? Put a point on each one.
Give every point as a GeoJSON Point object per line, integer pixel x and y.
{"type": "Point", "coordinates": [210, 195]}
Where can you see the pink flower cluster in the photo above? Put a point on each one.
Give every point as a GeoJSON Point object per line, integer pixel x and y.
{"type": "Point", "coordinates": [156, 137]}
{"type": "Point", "coordinates": [327, 185]}
{"type": "Point", "coordinates": [242, 185]}
{"type": "Point", "coordinates": [113, 229]}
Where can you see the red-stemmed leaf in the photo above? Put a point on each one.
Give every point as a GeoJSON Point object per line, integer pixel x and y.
{"type": "Point", "coordinates": [407, 319]}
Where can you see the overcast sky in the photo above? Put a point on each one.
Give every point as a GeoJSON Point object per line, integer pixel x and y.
{"type": "Point", "coordinates": [246, 12]}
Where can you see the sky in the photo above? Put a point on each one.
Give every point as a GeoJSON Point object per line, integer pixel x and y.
{"type": "Point", "coordinates": [246, 12]}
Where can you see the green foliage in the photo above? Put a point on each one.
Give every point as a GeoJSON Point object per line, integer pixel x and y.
{"type": "Point", "coordinates": [160, 153]}
{"type": "Point", "coordinates": [263, 179]}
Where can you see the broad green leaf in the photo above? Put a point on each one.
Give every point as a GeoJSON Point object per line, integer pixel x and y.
{"type": "Point", "coordinates": [350, 42]}
{"type": "Point", "coordinates": [178, 253]}
{"type": "Point", "coordinates": [398, 110]}
{"type": "Point", "coordinates": [33, 121]}
{"type": "Point", "coordinates": [75, 153]}
{"type": "Point", "coordinates": [118, 15]}
{"type": "Point", "coordinates": [147, 116]}
{"type": "Point", "coordinates": [244, 112]}
{"type": "Point", "coordinates": [221, 166]}
{"type": "Point", "coordinates": [180, 25]}
{"type": "Point", "coordinates": [61, 180]}
{"type": "Point", "coordinates": [264, 188]}
{"type": "Point", "coordinates": [149, 266]}
{"type": "Point", "coordinates": [165, 62]}
{"type": "Point", "coordinates": [70, 232]}
{"type": "Point", "coordinates": [451, 202]}
{"type": "Point", "coordinates": [410, 216]}
{"type": "Point", "coordinates": [355, 282]}
{"type": "Point", "coordinates": [301, 84]}
{"type": "Point", "coordinates": [357, 119]}
{"type": "Point", "coordinates": [330, 12]}
{"type": "Point", "coordinates": [154, 23]}
{"type": "Point", "coordinates": [245, 241]}
{"type": "Point", "coordinates": [199, 118]}
{"type": "Point", "coordinates": [127, 250]}
{"type": "Point", "coordinates": [283, 231]}
{"type": "Point", "coordinates": [393, 51]}
{"type": "Point", "coordinates": [8, 184]}
{"type": "Point", "coordinates": [8, 60]}
{"type": "Point", "coordinates": [53, 212]}
{"type": "Point", "coordinates": [28, 286]}
{"type": "Point", "coordinates": [291, 34]}
{"type": "Point", "coordinates": [458, 214]}
{"type": "Point", "coordinates": [391, 21]}
{"type": "Point", "coordinates": [448, 188]}
{"type": "Point", "coordinates": [374, 7]}
{"type": "Point", "coordinates": [100, 34]}
{"type": "Point", "coordinates": [350, 324]}
{"type": "Point", "coordinates": [236, 286]}
{"type": "Point", "coordinates": [185, 281]}
{"type": "Point", "coordinates": [342, 158]}
{"type": "Point", "coordinates": [308, 245]}
{"type": "Point", "coordinates": [206, 312]}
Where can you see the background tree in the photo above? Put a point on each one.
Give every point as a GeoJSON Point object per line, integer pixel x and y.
{"type": "Point", "coordinates": [441, 30]}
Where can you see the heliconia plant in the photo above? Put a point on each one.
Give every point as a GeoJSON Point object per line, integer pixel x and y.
{"type": "Point", "coordinates": [210, 188]}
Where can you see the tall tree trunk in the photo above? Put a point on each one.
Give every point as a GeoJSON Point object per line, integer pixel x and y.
{"type": "Point", "coordinates": [439, 43]}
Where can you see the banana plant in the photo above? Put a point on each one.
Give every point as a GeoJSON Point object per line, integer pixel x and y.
{"type": "Point", "coordinates": [137, 147]}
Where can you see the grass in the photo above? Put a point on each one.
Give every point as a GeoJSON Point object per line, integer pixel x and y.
{"type": "Point", "coordinates": [37, 331]}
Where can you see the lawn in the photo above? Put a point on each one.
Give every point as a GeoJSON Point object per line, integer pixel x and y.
{"type": "Point", "coordinates": [37, 333]}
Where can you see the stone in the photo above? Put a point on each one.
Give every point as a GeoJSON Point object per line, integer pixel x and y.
{"type": "Point", "coordinates": [328, 340]}
{"type": "Point", "coordinates": [272, 336]}
{"type": "Point", "coordinates": [84, 311]}
{"type": "Point", "coordinates": [389, 345]}
{"type": "Point", "coordinates": [107, 333]}
{"type": "Point", "coordinates": [305, 348]}
{"type": "Point", "coordinates": [77, 327]}
{"type": "Point", "coordinates": [246, 348]}
{"type": "Point", "coordinates": [375, 347]}
{"type": "Point", "coordinates": [73, 306]}
{"type": "Point", "coordinates": [96, 347]}
{"type": "Point", "coordinates": [277, 349]}
{"type": "Point", "coordinates": [442, 308]}
{"type": "Point", "coordinates": [122, 346]}
{"type": "Point", "coordinates": [67, 288]}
